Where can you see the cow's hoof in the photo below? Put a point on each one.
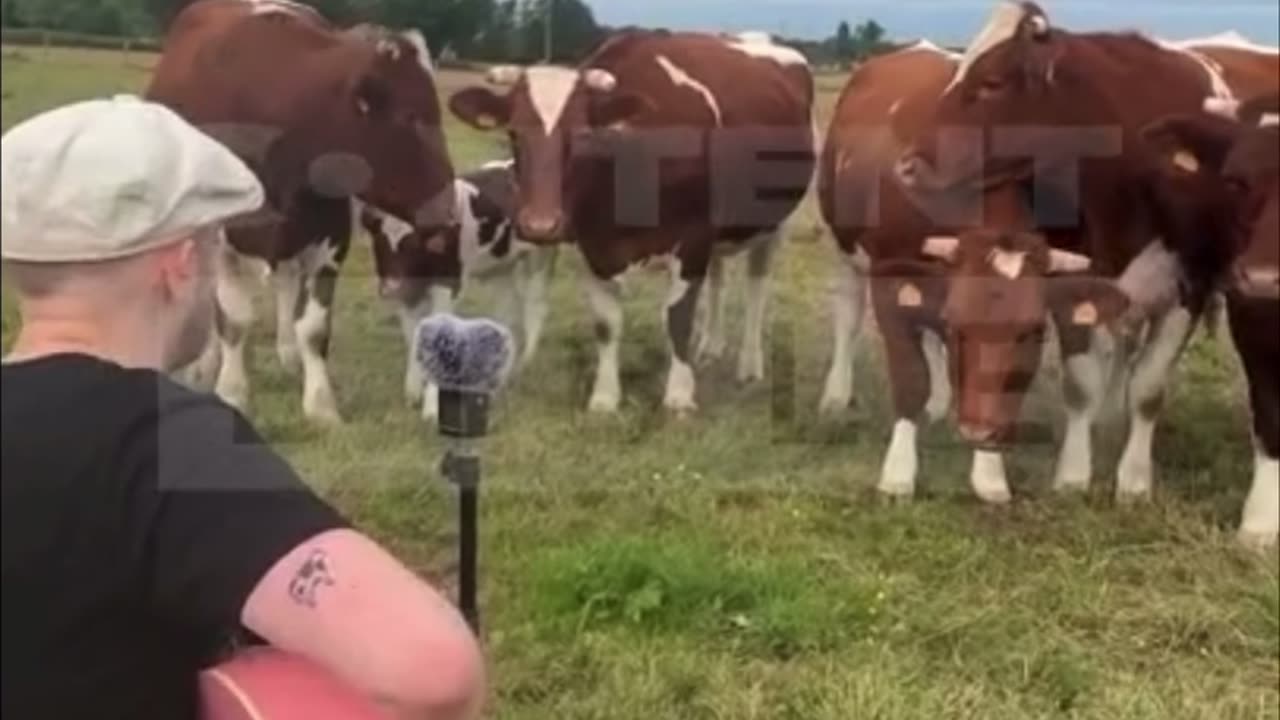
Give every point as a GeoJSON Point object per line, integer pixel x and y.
{"type": "Point", "coordinates": [289, 358]}
{"type": "Point", "coordinates": [1066, 485]}
{"type": "Point", "coordinates": [603, 404]}
{"type": "Point", "coordinates": [1257, 540]}
{"type": "Point", "coordinates": [234, 394]}
{"type": "Point", "coordinates": [937, 408]}
{"type": "Point", "coordinates": [322, 411]}
{"type": "Point", "coordinates": [681, 408]}
{"type": "Point", "coordinates": [995, 497]}
{"type": "Point", "coordinates": [896, 491]}
{"type": "Point", "coordinates": [1133, 483]}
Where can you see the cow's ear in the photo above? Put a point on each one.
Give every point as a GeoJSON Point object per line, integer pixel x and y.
{"type": "Point", "coordinates": [1087, 302]}
{"type": "Point", "coordinates": [913, 288]}
{"type": "Point", "coordinates": [1190, 144]}
{"type": "Point", "coordinates": [617, 108]}
{"type": "Point", "coordinates": [481, 108]}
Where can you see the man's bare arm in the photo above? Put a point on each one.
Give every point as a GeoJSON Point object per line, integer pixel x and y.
{"type": "Point", "coordinates": [342, 601]}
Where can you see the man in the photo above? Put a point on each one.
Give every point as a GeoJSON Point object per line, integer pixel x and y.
{"type": "Point", "coordinates": [147, 529]}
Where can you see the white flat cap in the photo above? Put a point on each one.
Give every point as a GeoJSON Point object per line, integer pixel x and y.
{"type": "Point", "coordinates": [108, 178]}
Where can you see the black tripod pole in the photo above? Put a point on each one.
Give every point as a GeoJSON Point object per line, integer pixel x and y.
{"type": "Point", "coordinates": [464, 420]}
{"type": "Point", "coordinates": [462, 468]}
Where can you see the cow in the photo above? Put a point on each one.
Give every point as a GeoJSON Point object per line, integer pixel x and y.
{"type": "Point", "coordinates": [1028, 101]}
{"type": "Point", "coordinates": [653, 150]}
{"type": "Point", "coordinates": [1220, 185]}
{"type": "Point", "coordinates": [430, 277]}
{"type": "Point", "coordinates": [321, 115]}
{"type": "Point", "coordinates": [881, 227]}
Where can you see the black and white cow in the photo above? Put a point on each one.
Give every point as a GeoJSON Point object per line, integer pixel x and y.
{"type": "Point", "coordinates": [425, 277]}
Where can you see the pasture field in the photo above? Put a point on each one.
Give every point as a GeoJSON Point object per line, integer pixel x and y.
{"type": "Point", "coordinates": [738, 565]}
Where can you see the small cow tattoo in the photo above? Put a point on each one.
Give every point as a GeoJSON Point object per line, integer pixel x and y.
{"type": "Point", "coordinates": [314, 573]}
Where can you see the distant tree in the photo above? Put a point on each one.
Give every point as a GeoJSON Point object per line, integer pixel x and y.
{"type": "Point", "coordinates": [843, 47]}
{"type": "Point", "coordinates": [574, 30]}
{"type": "Point", "coordinates": [868, 39]}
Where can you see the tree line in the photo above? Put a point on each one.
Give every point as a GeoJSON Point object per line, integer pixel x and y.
{"type": "Point", "coordinates": [484, 30]}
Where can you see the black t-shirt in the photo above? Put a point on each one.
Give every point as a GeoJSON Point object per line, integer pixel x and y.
{"type": "Point", "coordinates": [138, 517]}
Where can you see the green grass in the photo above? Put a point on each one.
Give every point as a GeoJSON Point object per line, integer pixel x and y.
{"type": "Point", "coordinates": [738, 565]}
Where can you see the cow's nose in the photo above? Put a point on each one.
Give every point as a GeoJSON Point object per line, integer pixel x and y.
{"type": "Point", "coordinates": [540, 226]}
{"type": "Point", "coordinates": [1261, 282]}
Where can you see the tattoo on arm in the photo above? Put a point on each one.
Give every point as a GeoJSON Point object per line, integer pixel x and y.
{"type": "Point", "coordinates": [314, 574]}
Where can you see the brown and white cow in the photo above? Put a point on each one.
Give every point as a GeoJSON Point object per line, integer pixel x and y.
{"type": "Point", "coordinates": [882, 229]}
{"type": "Point", "coordinates": [322, 115]}
{"type": "Point", "coordinates": [678, 146]}
{"type": "Point", "coordinates": [1060, 114]}
{"type": "Point", "coordinates": [1220, 186]}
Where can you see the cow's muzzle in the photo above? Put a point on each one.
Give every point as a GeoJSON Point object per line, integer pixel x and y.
{"type": "Point", "coordinates": [540, 227]}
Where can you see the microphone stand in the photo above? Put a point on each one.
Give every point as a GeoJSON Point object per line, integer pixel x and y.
{"type": "Point", "coordinates": [463, 420]}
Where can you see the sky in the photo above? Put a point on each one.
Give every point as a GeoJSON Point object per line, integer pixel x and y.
{"type": "Point", "coordinates": [947, 21]}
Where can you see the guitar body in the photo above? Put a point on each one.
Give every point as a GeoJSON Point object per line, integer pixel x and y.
{"type": "Point", "coordinates": [267, 684]}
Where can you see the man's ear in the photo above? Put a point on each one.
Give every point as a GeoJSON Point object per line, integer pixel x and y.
{"type": "Point", "coordinates": [1086, 302]}
{"type": "Point", "coordinates": [914, 288]}
{"type": "Point", "coordinates": [615, 108]}
{"type": "Point", "coordinates": [1190, 144]}
{"type": "Point", "coordinates": [481, 108]}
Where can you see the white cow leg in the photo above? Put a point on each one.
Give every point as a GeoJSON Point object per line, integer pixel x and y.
{"type": "Point", "coordinates": [605, 299]}
{"type": "Point", "coordinates": [314, 329]}
{"type": "Point", "coordinates": [287, 279]}
{"type": "Point", "coordinates": [711, 341]}
{"type": "Point", "coordinates": [848, 306]}
{"type": "Point", "coordinates": [440, 300]}
{"type": "Point", "coordinates": [935, 357]}
{"type": "Point", "coordinates": [1146, 394]}
{"type": "Point", "coordinates": [410, 315]}
{"type": "Point", "coordinates": [679, 313]}
{"type": "Point", "coordinates": [759, 268]}
{"type": "Point", "coordinates": [235, 316]}
{"type": "Point", "coordinates": [539, 263]}
{"type": "Point", "coordinates": [1084, 388]}
{"type": "Point", "coordinates": [1260, 521]}
{"type": "Point", "coordinates": [901, 462]}
{"type": "Point", "coordinates": [987, 478]}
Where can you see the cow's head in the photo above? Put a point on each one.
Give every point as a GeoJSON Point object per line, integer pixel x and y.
{"type": "Point", "coordinates": [1013, 101]}
{"type": "Point", "coordinates": [381, 132]}
{"type": "Point", "coordinates": [1216, 184]}
{"type": "Point", "coordinates": [550, 115]}
{"type": "Point", "coordinates": [994, 292]}
{"type": "Point", "coordinates": [409, 261]}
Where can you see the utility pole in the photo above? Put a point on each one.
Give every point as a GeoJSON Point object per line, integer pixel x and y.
{"type": "Point", "coordinates": [548, 15]}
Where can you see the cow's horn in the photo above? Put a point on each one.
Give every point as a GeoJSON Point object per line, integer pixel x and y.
{"type": "Point", "coordinates": [1062, 261]}
{"type": "Point", "coordinates": [599, 80]}
{"type": "Point", "coordinates": [504, 74]}
{"type": "Point", "coordinates": [943, 247]}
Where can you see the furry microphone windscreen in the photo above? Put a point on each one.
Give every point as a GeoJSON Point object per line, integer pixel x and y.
{"type": "Point", "coordinates": [464, 355]}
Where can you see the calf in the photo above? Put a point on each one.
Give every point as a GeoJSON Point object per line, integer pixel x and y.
{"type": "Point", "coordinates": [1219, 186]}
{"type": "Point", "coordinates": [429, 276]}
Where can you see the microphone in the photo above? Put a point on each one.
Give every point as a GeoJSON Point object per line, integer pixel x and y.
{"type": "Point", "coordinates": [468, 360]}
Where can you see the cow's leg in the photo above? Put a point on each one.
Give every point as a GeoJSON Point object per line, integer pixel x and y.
{"type": "Point", "coordinates": [1085, 364]}
{"type": "Point", "coordinates": [539, 264]}
{"type": "Point", "coordinates": [287, 279]}
{"type": "Point", "coordinates": [314, 328]}
{"type": "Point", "coordinates": [935, 355]}
{"type": "Point", "coordinates": [1260, 519]}
{"type": "Point", "coordinates": [848, 305]}
{"type": "Point", "coordinates": [1168, 337]}
{"type": "Point", "coordinates": [711, 341]}
{"type": "Point", "coordinates": [908, 379]}
{"type": "Point", "coordinates": [417, 387]}
{"type": "Point", "coordinates": [688, 273]}
{"type": "Point", "coordinates": [605, 299]}
{"type": "Point", "coordinates": [236, 282]}
{"type": "Point", "coordinates": [759, 265]}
